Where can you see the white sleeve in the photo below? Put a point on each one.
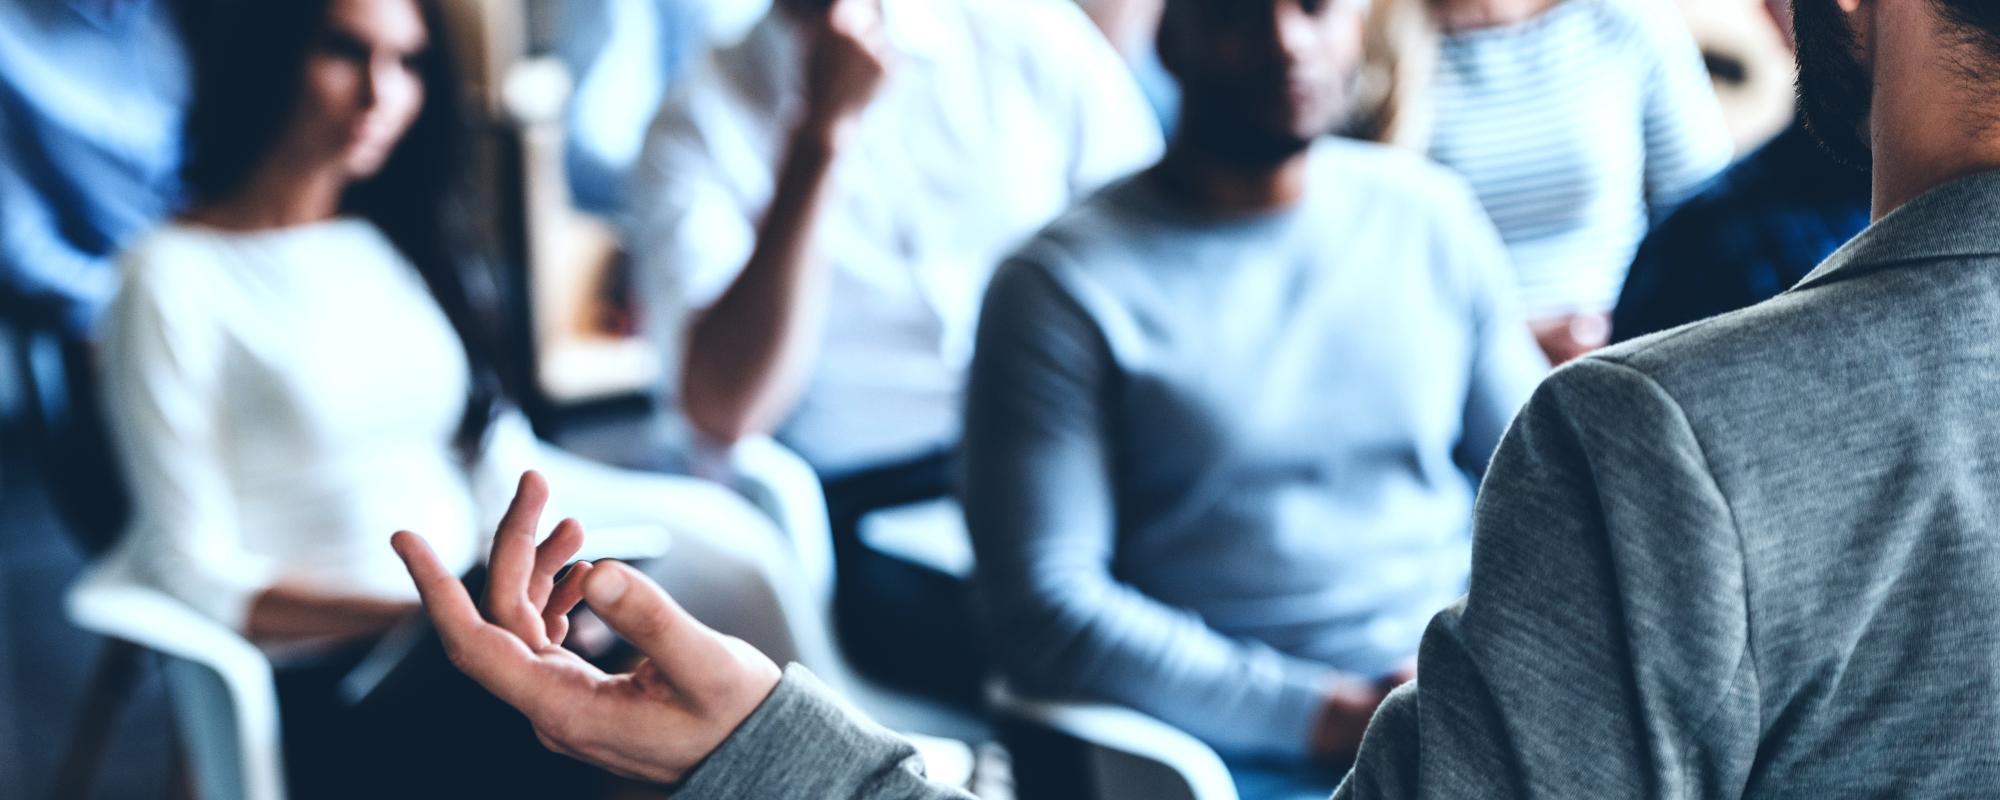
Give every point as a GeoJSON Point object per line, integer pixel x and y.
{"type": "Point", "coordinates": [689, 232]}
{"type": "Point", "coordinates": [163, 371]}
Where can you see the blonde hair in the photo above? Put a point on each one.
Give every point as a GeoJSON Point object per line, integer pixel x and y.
{"type": "Point", "coordinates": [1399, 58]}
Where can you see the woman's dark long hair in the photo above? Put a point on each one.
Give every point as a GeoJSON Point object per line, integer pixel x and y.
{"type": "Point", "coordinates": [249, 69]}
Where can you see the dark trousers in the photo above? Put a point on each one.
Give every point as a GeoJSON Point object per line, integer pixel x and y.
{"type": "Point", "coordinates": [902, 623]}
{"type": "Point", "coordinates": [427, 732]}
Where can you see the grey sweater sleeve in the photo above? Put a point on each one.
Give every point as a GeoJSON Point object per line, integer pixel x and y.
{"type": "Point", "coordinates": [1603, 650]}
{"type": "Point", "coordinates": [802, 744]}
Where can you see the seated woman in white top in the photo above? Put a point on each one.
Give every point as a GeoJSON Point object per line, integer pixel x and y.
{"type": "Point", "coordinates": [297, 367]}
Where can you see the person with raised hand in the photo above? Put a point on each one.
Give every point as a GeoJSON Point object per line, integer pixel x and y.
{"type": "Point", "coordinates": [814, 216]}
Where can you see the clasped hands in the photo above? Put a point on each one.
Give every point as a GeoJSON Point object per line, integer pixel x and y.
{"type": "Point", "coordinates": [655, 723]}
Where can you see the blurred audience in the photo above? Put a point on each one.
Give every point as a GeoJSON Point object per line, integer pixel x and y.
{"type": "Point", "coordinates": [1226, 419]}
{"type": "Point", "coordinates": [1577, 122]}
{"type": "Point", "coordinates": [302, 362]}
{"type": "Point", "coordinates": [91, 99]}
{"type": "Point", "coordinates": [816, 213]}
{"type": "Point", "coordinates": [1754, 232]}
{"type": "Point", "coordinates": [1750, 560]}
{"type": "Point", "coordinates": [1217, 428]}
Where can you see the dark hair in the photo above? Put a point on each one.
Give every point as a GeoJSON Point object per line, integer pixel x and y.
{"type": "Point", "coordinates": [249, 65]}
{"type": "Point", "coordinates": [1979, 21]}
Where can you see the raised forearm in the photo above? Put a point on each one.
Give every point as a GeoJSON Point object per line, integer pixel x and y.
{"type": "Point", "coordinates": [749, 354]}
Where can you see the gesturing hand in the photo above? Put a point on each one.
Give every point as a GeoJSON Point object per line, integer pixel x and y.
{"type": "Point", "coordinates": [849, 61]}
{"type": "Point", "coordinates": [692, 690]}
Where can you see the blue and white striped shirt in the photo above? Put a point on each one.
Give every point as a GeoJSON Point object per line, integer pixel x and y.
{"type": "Point", "coordinates": [1577, 128]}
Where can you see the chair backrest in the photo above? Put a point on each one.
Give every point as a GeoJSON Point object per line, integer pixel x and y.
{"type": "Point", "coordinates": [71, 442]}
{"type": "Point", "coordinates": [225, 706]}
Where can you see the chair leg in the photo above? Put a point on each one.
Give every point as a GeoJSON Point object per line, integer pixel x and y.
{"type": "Point", "coordinates": [110, 689]}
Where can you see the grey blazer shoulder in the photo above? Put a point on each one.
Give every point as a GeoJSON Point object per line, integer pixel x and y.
{"type": "Point", "coordinates": [1757, 556]}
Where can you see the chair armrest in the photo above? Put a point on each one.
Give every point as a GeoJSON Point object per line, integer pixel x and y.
{"type": "Point", "coordinates": [1133, 755]}
{"type": "Point", "coordinates": [110, 602]}
{"type": "Point", "coordinates": [781, 484]}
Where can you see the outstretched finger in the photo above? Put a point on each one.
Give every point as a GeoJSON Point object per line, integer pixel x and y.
{"type": "Point", "coordinates": [550, 556]}
{"type": "Point", "coordinates": [513, 561]}
{"type": "Point", "coordinates": [444, 596]}
{"type": "Point", "coordinates": [563, 600]}
{"type": "Point", "coordinates": [492, 656]}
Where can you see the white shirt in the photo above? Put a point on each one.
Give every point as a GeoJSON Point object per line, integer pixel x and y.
{"type": "Point", "coordinates": [997, 115]}
{"type": "Point", "coordinates": [282, 401]}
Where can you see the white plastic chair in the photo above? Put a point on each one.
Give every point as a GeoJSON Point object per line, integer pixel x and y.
{"type": "Point", "coordinates": [1130, 756]}
{"type": "Point", "coordinates": [219, 686]}
{"type": "Point", "coordinates": [1127, 754]}
{"type": "Point", "coordinates": [785, 606]}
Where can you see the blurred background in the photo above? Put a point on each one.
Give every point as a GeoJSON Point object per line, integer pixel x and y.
{"type": "Point", "coordinates": [559, 97]}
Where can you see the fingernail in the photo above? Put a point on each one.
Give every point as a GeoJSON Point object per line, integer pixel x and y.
{"type": "Point", "coordinates": [571, 571]}
{"type": "Point", "coordinates": [605, 587]}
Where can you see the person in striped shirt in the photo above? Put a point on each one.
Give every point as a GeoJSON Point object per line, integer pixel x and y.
{"type": "Point", "coordinates": [1578, 123]}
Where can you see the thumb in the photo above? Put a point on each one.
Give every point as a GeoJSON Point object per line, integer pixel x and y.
{"type": "Point", "coordinates": [645, 615]}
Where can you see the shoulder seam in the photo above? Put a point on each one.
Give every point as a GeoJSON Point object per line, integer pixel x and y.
{"type": "Point", "coordinates": [1749, 653]}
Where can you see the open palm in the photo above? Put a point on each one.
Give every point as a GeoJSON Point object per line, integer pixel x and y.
{"type": "Point", "coordinates": [654, 723]}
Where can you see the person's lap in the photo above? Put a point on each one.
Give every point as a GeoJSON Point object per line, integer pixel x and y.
{"type": "Point", "coordinates": [433, 732]}
{"type": "Point", "coordinates": [906, 624]}
{"type": "Point", "coordinates": [437, 735]}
